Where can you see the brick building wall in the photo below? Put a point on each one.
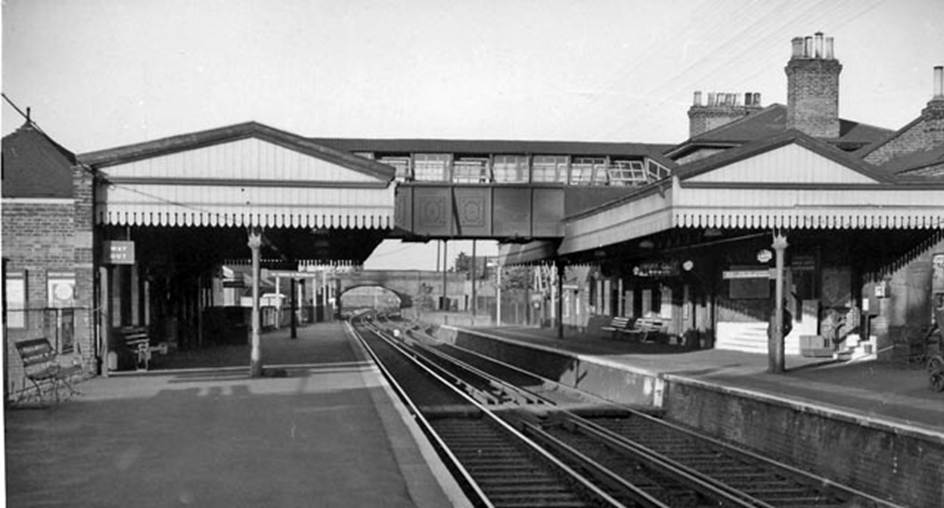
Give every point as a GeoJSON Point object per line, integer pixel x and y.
{"type": "Point", "coordinates": [51, 236]}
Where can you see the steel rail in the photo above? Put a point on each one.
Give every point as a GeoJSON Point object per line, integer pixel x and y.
{"type": "Point", "coordinates": [425, 426]}
{"type": "Point", "coordinates": [800, 474]}
{"type": "Point", "coordinates": [534, 447]}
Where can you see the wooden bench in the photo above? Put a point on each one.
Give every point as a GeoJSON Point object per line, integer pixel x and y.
{"type": "Point", "coordinates": [617, 324]}
{"type": "Point", "coordinates": [647, 326]}
{"type": "Point", "coordinates": [41, 366]}
{"type": "Point", "coordinates": [137, 339]}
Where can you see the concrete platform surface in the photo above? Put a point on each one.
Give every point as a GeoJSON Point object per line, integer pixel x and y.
{"type": "Point", "coordinates": [326, 434]}
{"type": "Point", "coordinates": [891, 393]}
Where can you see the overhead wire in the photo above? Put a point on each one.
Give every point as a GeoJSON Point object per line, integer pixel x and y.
{"type": "Point", "coordinates": [771, 32]}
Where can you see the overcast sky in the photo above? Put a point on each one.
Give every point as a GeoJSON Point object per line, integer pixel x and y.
{"type": "Point", "coordinates": [104, 73]}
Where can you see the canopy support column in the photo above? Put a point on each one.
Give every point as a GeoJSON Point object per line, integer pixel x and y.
{"type": "Point", "coordinates": [775, 348]}
{"type": "Point", "coordinates": [255, 357]}
{"type": "Point", "coordinates": [559, 266]}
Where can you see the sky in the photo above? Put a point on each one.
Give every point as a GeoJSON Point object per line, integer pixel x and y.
{"type": "Point", "coordinates": [104, 73]}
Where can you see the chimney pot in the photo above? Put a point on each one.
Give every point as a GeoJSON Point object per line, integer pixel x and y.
{"type": "Point", "coordinates": [829, 49]}
{"type": "Point", "coordinates": [939, 82]}
{"type": "Point", "coordinates": [818, 45]}
{"type": "Point", "coordinates": [711, 99]}
{"type": "Point", "coordinates": [797, 47]}
{"type": "Point", "coordinates": [808, 47]}
{"type": "Point", "coordinates": [756, 100]}
{"type": "Point", "coordinates": [697, 99]}
{"type": "Point", "coordinates": [747, 99]}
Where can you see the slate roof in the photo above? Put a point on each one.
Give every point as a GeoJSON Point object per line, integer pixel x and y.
{"type": "Point", "coordinates": [772, 121]}
{"type": "Point", "coordinates": [905, 165]}
{"type": "Point", "coordinates": [183, 142]}
{"type": "Point", "coordinates": [35, 166]}
{"type": "Point", "coordinates": [759, 146]}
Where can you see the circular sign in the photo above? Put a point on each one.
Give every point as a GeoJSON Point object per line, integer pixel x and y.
{"type": "Point", "coordinates": [764, 255]}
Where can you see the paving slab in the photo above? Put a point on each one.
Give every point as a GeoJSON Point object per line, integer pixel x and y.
{"type": "Point", "coordinates": [325, 434]}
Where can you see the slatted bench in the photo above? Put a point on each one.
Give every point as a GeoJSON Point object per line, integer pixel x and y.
{"type": "Point", "coordinates": [41, 366]}
{"type": "Point", "coordinates": [647, 326]}
{"type": "Point", "coordinates": [617, 325]}
{"type": "Point", "coordinates": [137, 339]}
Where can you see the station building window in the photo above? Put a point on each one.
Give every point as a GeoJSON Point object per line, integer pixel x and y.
{"type": "Point", "coordinates": [431, 167]}
{"type": "Point", "coordinates": [15, 283]}
{"type": "Point", "coordinates": [549, 168]}
{"type": "Point", "coordinates": [588, 171]}
{"type": "Point", "coordinates": [401, 165]}
{"type": "Point", "coordinates": [470, 170]}
{"type": "Point", "coordinates": [510, 169]}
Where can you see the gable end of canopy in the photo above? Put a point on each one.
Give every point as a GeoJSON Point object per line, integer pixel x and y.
{"type": "Point", "coordinates": [244, 175]}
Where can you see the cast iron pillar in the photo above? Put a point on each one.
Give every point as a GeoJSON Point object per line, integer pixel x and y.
{"type": "Point", "coordinates": [255, 357]}
{"type": "Point", "coordinates": [775, 354]}
{"type": "Point", "coordinates": [559, 265]}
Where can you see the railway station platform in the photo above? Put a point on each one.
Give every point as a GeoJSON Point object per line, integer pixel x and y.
{"type": "Point", "coordinates": [874, 426]}
{"type": "Point", "coordinates": [871, 390]}
{"type": "Point", "coordinates": [325, 430]}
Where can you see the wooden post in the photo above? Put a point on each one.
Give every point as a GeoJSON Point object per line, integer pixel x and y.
{"type": "Point", "coordinates": [255, 357]}
{"type": "Point", "coordinates": [775, 350]}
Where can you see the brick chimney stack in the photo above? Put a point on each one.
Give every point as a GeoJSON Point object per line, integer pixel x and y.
{"type": "Point", "coordinates": [721, 108]}
{"type": "Point", "coordinates": [813, 87]}
{"type": "Point", "coordinates": [935, 107]}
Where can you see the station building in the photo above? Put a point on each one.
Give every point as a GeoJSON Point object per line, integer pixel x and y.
{"type": "Point", "coordinates": [686, 233]}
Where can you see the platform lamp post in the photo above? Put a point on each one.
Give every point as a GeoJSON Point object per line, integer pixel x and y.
{"type": "Point", "coordinates": [775, 349]}
{"type": "Point", "coordinates": [559, 266]}
{"type": "Point", "coordinates": [255, 357]}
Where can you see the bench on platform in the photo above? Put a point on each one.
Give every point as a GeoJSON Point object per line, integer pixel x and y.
{"type": "Point", "coordinates": [137, 339]}
{"type": "Point", "coordinates": [647, 326]}
{"type": "Point", "coordinates": [41, 366]}
{"type": "Point", "coordinates": [617, 325]}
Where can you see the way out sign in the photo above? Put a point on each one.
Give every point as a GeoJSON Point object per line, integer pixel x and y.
{"type": "Point", "coordinates": [118, 252]}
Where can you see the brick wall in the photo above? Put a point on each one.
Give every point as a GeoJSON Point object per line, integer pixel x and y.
{"type": "Point", "coordinates": [813, 96]}
{"type": "Point", "coordinates": [45, 236]}
{"type": "Point", "coordinates": [705, 118]}
{"type": "Point", "coordinates": [923, 134]}
{"type": "Point", "coordinates": [888, 463]}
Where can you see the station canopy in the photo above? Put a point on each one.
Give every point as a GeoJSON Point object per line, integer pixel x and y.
{"type": "Point", "coordinates": [207, 188]}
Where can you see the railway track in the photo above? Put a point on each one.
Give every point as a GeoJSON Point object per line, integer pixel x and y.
{"type": "Point", "coordinates": [633, 457]}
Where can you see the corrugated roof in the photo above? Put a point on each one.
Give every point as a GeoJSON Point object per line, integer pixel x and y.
{"type": "Point", "coordinates": [492, 146]}
{"type": "Point", "coordinates": [35, 166]}
{"type": "Point", "coordinates": [183, 142]}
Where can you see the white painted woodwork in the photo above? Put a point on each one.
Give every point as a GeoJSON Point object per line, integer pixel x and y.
{"type": "Point", "coordinates": [639, 217]}
{"type": "Point", "coordinates": [788, 164]}
{"type": "Point", "coordinates": [208, 205]}
{"type": "Point", "coordinates": [250, 159]}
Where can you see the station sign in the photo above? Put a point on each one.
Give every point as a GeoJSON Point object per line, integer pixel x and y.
{"type": "Point", "coordinates": [749, 274]}
{"type": "Point", "coordinates": [656, 269]}
{"type": "Point", "coordinates": [118, 252]}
